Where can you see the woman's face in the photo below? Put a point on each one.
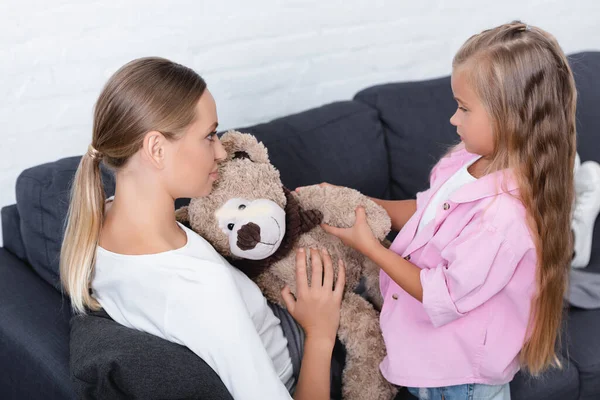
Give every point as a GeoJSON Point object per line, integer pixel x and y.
{"type": "Point", "coordinates": [191, 167]}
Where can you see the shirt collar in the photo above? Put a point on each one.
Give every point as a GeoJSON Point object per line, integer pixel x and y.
{"type": "Point", "coordinates": [493, 184]}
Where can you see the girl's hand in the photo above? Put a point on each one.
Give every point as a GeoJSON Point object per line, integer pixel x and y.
{"type": "Point", "coordinates": [317, 307]}
{"type": "Point", "coordinates": [359, 236]}
{"type": "Point", "coordinates": [323, 184]}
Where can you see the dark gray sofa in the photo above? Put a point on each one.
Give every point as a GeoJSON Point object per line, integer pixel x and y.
{"type": "Point", "coordinates": [383, 143]}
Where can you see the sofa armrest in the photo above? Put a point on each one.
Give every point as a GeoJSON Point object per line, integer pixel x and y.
{"type": "Point", "coordinates": [34, 335]}
{"type": "Point", "coordinates": [11, 232]}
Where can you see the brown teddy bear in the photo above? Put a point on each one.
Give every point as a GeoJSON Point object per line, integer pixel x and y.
{"type": "Point", "coordinates": [254, 221]}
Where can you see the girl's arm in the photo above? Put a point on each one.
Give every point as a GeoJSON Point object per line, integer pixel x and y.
{"type": "Point", "coordinates": [360, 237]}
{"type": "Point", "coordinates": [317, 310]}
{"type": "Point", "coordinates": [404, 273]}
{"type": "Point", "coordinates": [399, 211]}
{"type": "Point", "coordinates": [478, 264]}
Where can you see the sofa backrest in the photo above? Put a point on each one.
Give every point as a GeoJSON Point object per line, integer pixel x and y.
{"type": "Point", "coordinates": [341, 143]}
{"type": "Point", "coordinates": [416, 122]}
{"type": "Point", "coordinates": [586, 69]}
{"type": "Point", "coordinates": [415, 118]}
{"type": "Point", "coordinates": [42, 203]}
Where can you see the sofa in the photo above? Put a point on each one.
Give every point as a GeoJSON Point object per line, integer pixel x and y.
{"type": "Point", "coordinates": [383, 142]}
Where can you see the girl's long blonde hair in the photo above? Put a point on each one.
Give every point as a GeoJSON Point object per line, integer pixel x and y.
{"type": "Point", "coordinates": [147, 94]}
{"type": "Point", "coordinates": [522, 77]}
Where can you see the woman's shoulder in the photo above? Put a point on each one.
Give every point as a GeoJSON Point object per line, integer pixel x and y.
{"type": "Point", "coordinates": [173, 280]}
{"type": "Point", "coordinates": [194, 261]}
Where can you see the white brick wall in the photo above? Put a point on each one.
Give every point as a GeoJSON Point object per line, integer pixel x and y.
{"type": "Point", "coordinates": [262, 58]}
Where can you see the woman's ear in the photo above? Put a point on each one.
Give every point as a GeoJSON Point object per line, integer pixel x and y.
{"type": "Point", "coordinates": [154, 148]}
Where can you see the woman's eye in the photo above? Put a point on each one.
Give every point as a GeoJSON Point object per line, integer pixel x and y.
{"type": "Point", "coordinates": [211, 136]}
{"type": "Point", "coordinates": [462, 109]}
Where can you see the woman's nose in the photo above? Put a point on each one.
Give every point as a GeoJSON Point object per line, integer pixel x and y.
{"type": "Point", "coordinates": [220, 153]}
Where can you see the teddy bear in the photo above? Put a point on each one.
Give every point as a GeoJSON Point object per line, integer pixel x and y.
{"type": "Point", "coordinates": [256, 223]}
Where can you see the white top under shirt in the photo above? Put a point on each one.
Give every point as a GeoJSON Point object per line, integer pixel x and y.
{"type": "Point", "coordinates": [192, 296]}
{"type": "Point", "coordinates": [455, 182]}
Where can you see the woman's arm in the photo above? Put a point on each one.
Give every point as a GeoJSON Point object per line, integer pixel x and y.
{"type": "Point", "coordinates": [315, 372]}
{"type": "Point", "coordinates": [399, 211]}
{"type": "Point", "coordinates": [317, 310]}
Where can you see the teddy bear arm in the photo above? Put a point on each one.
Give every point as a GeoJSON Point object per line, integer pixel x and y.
{"type": "Point", "coordinates": [338, 206]}
{"type": "Point", "coordinates": [359, 331]}
{"type": "Point", "coordinates": [373, 292]}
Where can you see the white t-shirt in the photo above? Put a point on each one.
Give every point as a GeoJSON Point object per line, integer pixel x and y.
{"type": "Point", "coordinates": [455, 182]}
{"type": "Point", "coordinates": [192, 296]}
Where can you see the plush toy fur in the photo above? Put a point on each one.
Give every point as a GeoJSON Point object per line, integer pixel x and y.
{"type": "Point", "coordinates": [255, 222]}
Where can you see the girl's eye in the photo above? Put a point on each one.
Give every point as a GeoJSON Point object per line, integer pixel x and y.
{"type": "Point", "coordinates": [462, 109]}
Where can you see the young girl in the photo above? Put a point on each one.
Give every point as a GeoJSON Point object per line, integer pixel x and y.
{"type": "Point", "coordinates": [154, 124]}
{"type": "Point", "coordinates": [473, 285]}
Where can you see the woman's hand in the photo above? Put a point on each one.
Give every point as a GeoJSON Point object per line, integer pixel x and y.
{"type": "Point", "coordinates": [316, 307]}
{"type": "Point", "coordinates": [359, 236]}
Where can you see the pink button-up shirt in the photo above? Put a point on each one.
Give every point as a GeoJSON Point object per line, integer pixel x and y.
{"type": "Point", "coordinates": [478, 262]}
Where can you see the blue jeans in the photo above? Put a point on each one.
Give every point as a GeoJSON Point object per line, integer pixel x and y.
{"type": "Point", "coordinates": [463, 392]}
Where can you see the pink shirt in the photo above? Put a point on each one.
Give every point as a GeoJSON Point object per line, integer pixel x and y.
{"type": "Point", "coordinates": [478, 264]}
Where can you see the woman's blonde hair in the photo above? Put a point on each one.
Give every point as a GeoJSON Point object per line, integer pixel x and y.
{"type": "Point", "coordinates": [147, 94]}
{"type": "Point", "coordinates": [523, 79]}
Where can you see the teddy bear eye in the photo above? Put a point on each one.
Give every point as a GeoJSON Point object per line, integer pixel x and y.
{"type": "Point", "coordinates": [241, 207]}
{"type": "Point", "coordinates": [230, 226]}
{"type": "Point", "coordinates": [241, 155]}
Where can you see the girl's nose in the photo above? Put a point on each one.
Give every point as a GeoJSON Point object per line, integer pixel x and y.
{"type": "Point", "coordinates": [454, 119]}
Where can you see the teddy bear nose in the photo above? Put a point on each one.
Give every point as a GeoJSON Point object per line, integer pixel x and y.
{"type": "Point", "coordinates": [248, 236]}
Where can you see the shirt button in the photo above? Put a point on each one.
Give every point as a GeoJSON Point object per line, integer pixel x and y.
{"type": "Point", "coordinates": [407, 258]}
{"type": "Point", "coordinates": [395, 296]}
{"type": "Point", "coordinates": [446, 206]}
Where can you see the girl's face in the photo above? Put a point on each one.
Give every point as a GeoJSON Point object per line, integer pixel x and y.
{"type": "Point", "coordinates": [192, 166]}
{"type": "Point", "coordinates": [472, 121]}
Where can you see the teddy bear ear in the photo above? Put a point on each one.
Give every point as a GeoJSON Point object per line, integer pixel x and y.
{"type": "Point", "coordinates": [182, 214]}
{"type": "Point", "coordinates": [244, 146]}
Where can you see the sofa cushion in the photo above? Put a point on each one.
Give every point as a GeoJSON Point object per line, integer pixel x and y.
{"type": "Point", "coordinates": [43, 200]}
{"type": "Point", "coordinates": [585, 68]}
{"type": "Point", "coordinates": [415, 116]}
{"type": "Point", "coordinates": [585, 283]}
{"type": "Point", "coordinates": [554, 384]}
{"type": "Point", "coordinates": [583, 333]}
{"type": "Point", "coordinates": [341, 143]}
{"type": "Point", "coordinates": [111, 361]}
